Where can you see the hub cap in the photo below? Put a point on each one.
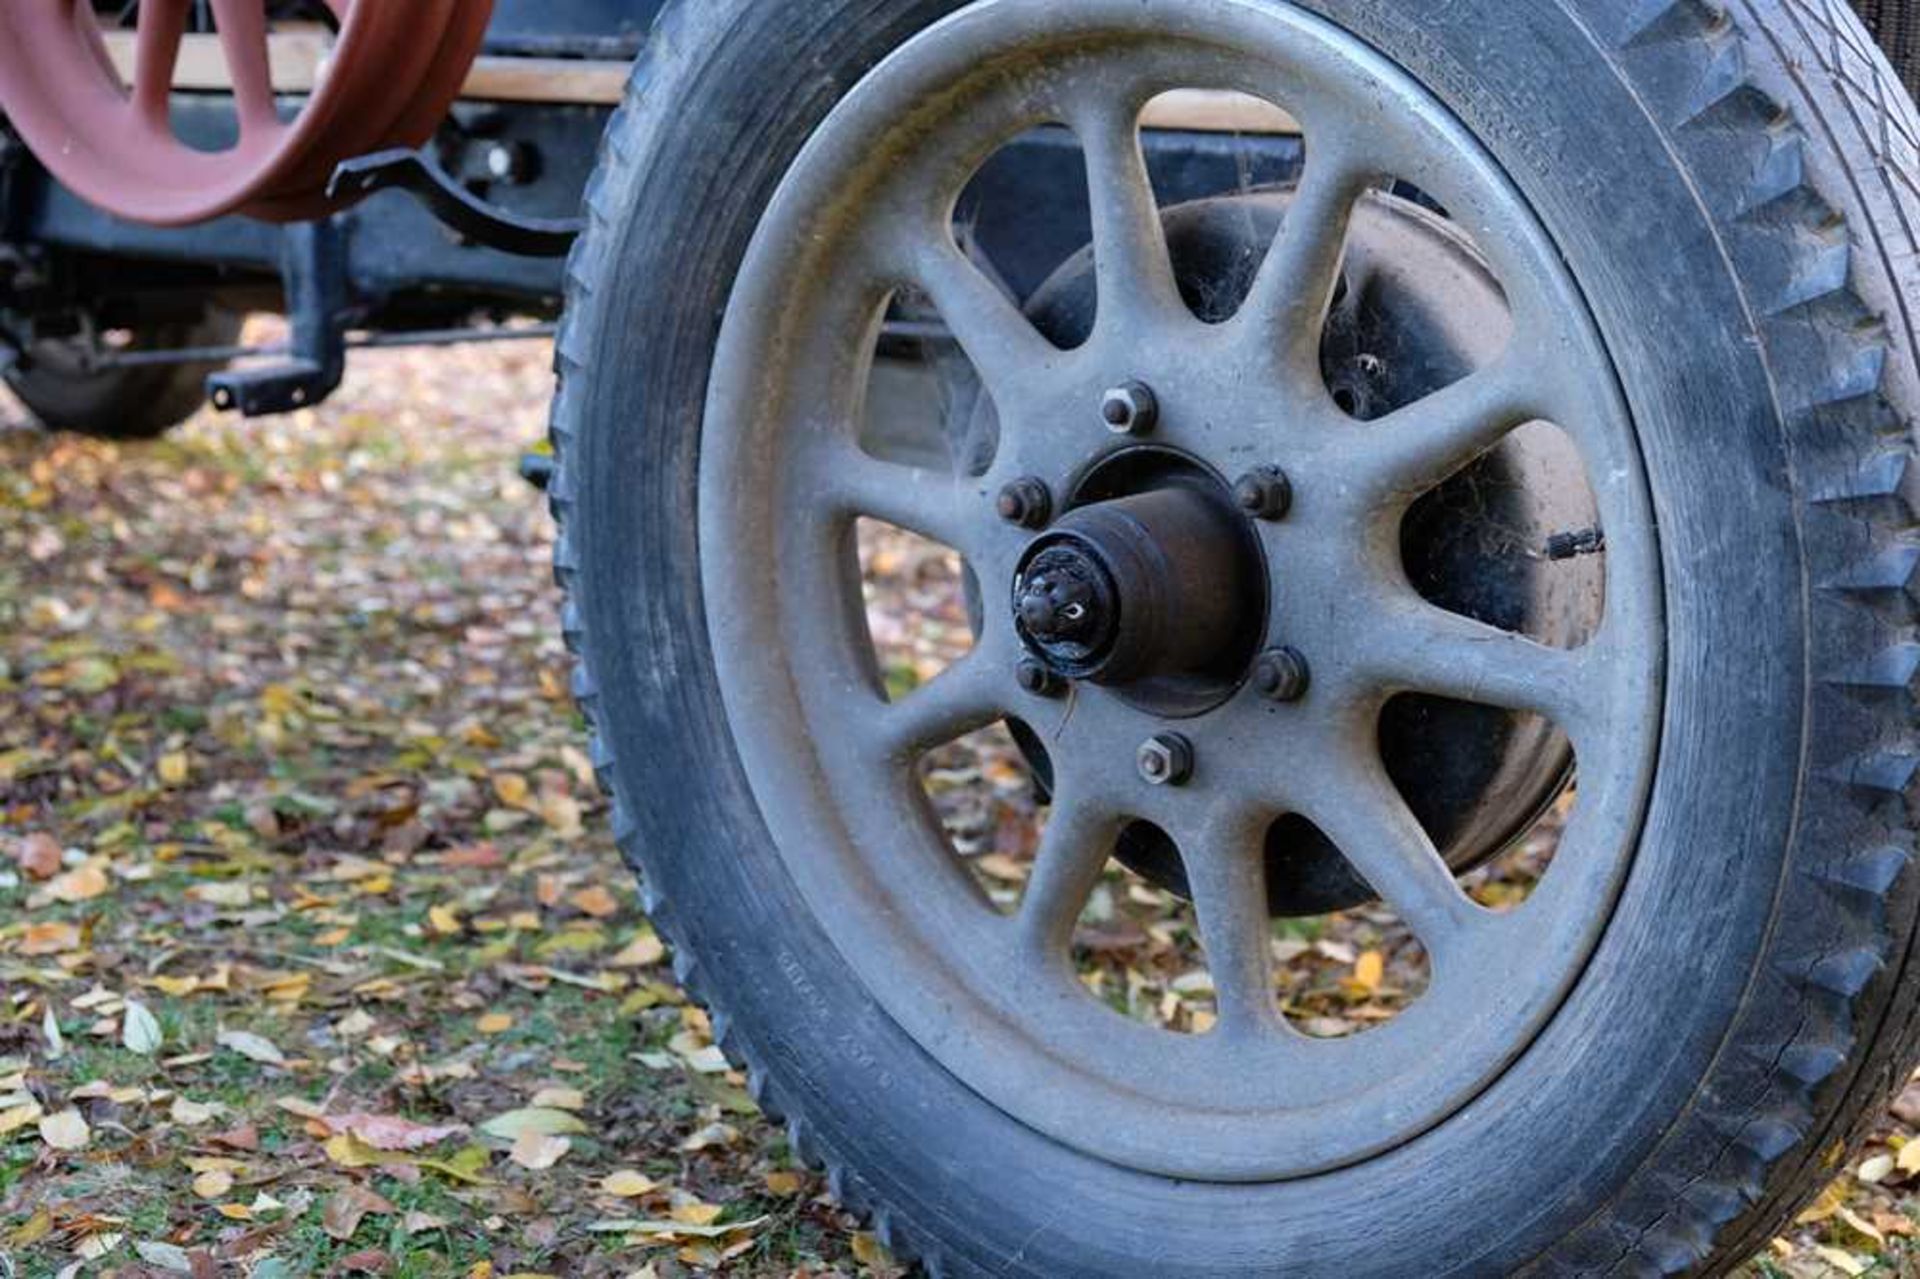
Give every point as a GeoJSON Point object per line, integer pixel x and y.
{"type": "Point", "coordinates": [866, 212]}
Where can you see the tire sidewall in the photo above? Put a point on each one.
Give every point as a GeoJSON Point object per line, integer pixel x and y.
{"type": "Point", "coordinates": [1527, 1163]}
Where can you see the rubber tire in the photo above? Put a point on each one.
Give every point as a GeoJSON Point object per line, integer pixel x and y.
{"type": "Point", "coordinates": [1733, 184]}
{"type": "Point", "coordinates": [1896, 25]}
{"type": "Point", "coordinates": [130, 404]}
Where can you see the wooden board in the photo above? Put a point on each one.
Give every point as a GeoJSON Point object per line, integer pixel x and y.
{"type": "Point", "coordinates": [299, 60]}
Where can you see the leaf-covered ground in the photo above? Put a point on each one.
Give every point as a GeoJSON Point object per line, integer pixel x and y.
{"type": "Point", "coordinates": [315, 956]}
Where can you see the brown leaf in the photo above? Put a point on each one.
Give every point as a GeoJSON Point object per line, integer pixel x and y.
{"type": "Point", "coordinates": [38, 855]}
{"type": "Point", "coordinates": [391, 1132]}
{"type": "Point", "coordinates": [347, 1207]}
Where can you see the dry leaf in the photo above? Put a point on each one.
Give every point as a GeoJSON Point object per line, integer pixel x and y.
{"type": "Point", "coordinates": [140, 1030]}
{"type": "Point", "coordinates": [66, 1131]}
{"type": "Point", "coordinates": [214, 1183]}
{"type": "Point", "coordinates": [595, 901]}
{"type": "Point", "coordinates": [543, 1120]}
{"type": "Point", "coordinates": [494, 1024]}
{"type": "Point", "coordinates": [628, 1183]}
{"type": "Point", "coordinates": [39, 856]}
{"type": "Point", "coordinates": [82, 883]}
{"type": "Point", "coordinates": [537, 1152]}
{"type": "Point", "coordinates": [251, 1046]}
{"type": "Point", "coordinates": [391, 1132]}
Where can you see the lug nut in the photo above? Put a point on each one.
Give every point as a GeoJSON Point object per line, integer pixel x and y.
{"type": "Point", "coordinates": [1265, 493]}
{"type": "Point", "coordinates": [1036, 679]}
{"type": "Point", "coordinates": [1130, 409]}
{"type": "Point", "coordinates": [1166, 760]}
{"type": "Point", "coordinates": [1281, 675]}
{"type": "Point", "coordinates": [1026, 502]}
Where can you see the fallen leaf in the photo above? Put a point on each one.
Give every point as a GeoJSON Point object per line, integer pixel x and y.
{"type": "Point", "coordinates": [494, 1024]}
{"type": "Point", "coordinates": [543, 1120]}
{"type": "Point", "coordinates": [251, 1046]}
{"type": "Point", "coordinates": [347, 1207]}
{"type": "Point", "coordinates": [644, 951]}
{"type": "Point", "coordinates": [596, 902]}
{"type": "Point", "coordinates": [1875, 1169]}
{"type": "Point", "coordinates": [174, 769]}
{"type": "Point", "coordinates": [66, 1130]}
{"type": "Point", "coordinates": [39, 856]}
{"type": "Point", "coordinates": [215, 1183]}
{"type": "Point", "coordinates": [1368, 971]}
{"type": "Point", "coordinates": [537, 1152]}
{"type": "Point", "coordinates": [391, 1132]}
{"type": "Point", "coordinates": [560, 1099]}
{"type": "Point", "coordinates": [52, 938]}
{"type": "Point", "coordinates": [82, 883]}
{"type": "Point", "coordinates": [628, 1183]}
{"type": "Point", "coordinates": [140, 1030]}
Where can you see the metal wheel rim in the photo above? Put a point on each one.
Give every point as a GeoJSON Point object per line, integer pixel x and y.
{"type": "Point", "coordinates": [395, 69]}
{"type": "Point", "coordinates": [866, 210]}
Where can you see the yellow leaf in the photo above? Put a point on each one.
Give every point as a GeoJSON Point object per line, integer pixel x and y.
{"type": "Point", "coordinates": [869, 1252]}
{"type": "Point", "coordinates": [512, 789]}
{"type": "Point", "coordinates": [1368, 970]}
{"type": "Point", "coordinates": [174, 769]}
{"type": "Point", "coordinates": [692, 1212]}
{"type": "Point", "coordinates": [595, 901]}
{"type": "Point", "coordinates": [628, 1184]}
{"type": "Point", "coordinates": [213, 1184]}
{"type": "Point", "coordinates": [561, 1098]}
{"type": "Point", "coordinates": [494, 1024]}
{"type": "Point", "coordinates": [1909, 1160]}
{"type": "Point", "coordinates": [784, 1185]}
{"type": "Point", "coordinates": [19, 1117]}
{"type": "Point", "coordinates": [444, 922]}
{"type": "Point", "coordinates": [1825, 1206]}
{"type": "Point", "coordinates": [644, 951]}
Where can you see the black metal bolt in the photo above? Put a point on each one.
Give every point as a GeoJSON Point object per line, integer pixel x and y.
{"type": "Point", "coordinates": [1282, 675]}
{"type": "Point", "coordinates": [1265, 493]}
{"type": "Point", "coordinates": [1166, 759]}
{"type": "Point", "coordinates": [1130, 409]}
{"type": "Point", "coordinates": [1026, 502]}
{"type": "Point", "coordinates": [1036, 679]}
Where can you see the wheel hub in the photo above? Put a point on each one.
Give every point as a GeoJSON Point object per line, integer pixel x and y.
{"type": "Point", "coordinates": [1152, 585]}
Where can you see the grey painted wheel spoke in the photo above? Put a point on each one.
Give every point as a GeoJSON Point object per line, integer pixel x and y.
{"type": "Point", "coordinates": [1426, 443]}
{"type": "Point", "coordinates": [970, 694]}
{"type": "Point", "coordinates": [1225, 859]}
{"type": "Point", "coordinates": [1002, 344]}
{"type": "Point", "coordinates": [1075, 849]}
{"type": "Point", "coordinates": [933, 504]}
{"type": "Point", "coordinates": [1133, 270]}
{"type": "Point", "coordinates": [1424, 649]}
{"type": "Point", "coordinates": [1358, 808]}
{"type": "Point", "coordinates": [1286, 311]}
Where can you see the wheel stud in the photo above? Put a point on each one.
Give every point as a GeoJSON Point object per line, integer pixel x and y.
{"type": "Point", "coordinates": [1265, 493]}
{"type": "Point", "coordinates": [1166, 759]}
{"type": "Point", "coordinates": [1281, 675]}
{"type": "Point", "coordinates": [1130, 409]}
{"type": "Point", "coordinates": [1026, 502]}
{"type": "Point", "coordinates": [1036, 679]}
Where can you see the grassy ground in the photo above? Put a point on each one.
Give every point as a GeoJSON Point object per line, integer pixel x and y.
{"type": "Point", "coordinates": [315, 957]}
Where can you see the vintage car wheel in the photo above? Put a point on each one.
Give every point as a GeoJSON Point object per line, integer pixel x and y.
{"type": "Point", "coordinates": [1681, 238]}
{"type": "Point", "coordinates": [140, 403]}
